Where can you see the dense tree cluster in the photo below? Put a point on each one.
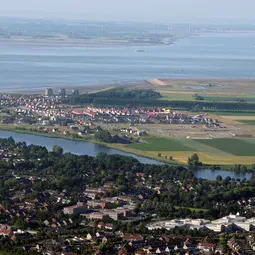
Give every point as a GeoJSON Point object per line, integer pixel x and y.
{"type": "Point", "coordinates": [167, 191]}
{"type": "Point", "coordinates": [115, 93]}
{"type": "Point", "coordinates": [105, 136]}
{"type": "Point", "coordinates": [198, 97]}
{"type": "Point", "coordinates": [193, 161]}
{"type": "Point", "coordinates": [217, 198]}
{"type": "Point", "coordinates": [178, 105]}
{"type": "Point", "coordinates": [148, 98]}
{"type": "Point", "coordinates": [74, 172]}
{"type": "Point", "coordinates": [138, 94]}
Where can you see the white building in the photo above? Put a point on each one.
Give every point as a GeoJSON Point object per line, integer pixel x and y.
{"type": "Point", "coordinates": [215, 227]}
{"type": "Point", "coordinates": [224, 224]}
{"type": "Point", "coordinates": [245, 226]}
{"type": "Point", "coordinates": [181, 223]}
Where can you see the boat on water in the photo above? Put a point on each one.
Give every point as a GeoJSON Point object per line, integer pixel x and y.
{"type": "Point", "coordinates": [139, 50]}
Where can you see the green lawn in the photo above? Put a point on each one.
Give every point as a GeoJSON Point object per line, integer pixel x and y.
{"type": "Point", "coordinates": [181, 97]}
{"type": "Point", "coordinates": [236, 147]}
{"type": "Point", "coordinates": [192, 209]}
{"type": "Point", "coordinates": [161, 144]}
{"type": "Point", "coordinates": [248, 122]}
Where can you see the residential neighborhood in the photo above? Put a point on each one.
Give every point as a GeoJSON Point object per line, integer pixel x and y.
{"type": "Point", "coordinates": [50, 207]}
{"type": "Point", "coordinates": [127, 127]}
{"type": "Point", "coordinates": [49, 115]}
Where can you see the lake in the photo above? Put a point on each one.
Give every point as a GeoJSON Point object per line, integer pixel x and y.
{"type": "Point", "coordinates": [91, 149]}
{"type": "Point", "coordinates": [35, 66]}
{"type": "Point", "coordinates": [75, 147]}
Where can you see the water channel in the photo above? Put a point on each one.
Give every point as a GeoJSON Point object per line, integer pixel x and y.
{"type": "Point", "coordinates": [91, 149]}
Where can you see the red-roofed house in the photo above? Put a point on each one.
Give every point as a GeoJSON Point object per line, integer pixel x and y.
{"type": "Point", "coordinates": [205, 246]}
{"type": "Point", "coordinates": [122, 251]}
{"type": "Point", "coordinates": [77, 112]}
{"type": "Point", "coordinates": [5, 230]}
{"type": "Point", "coordinates": [88, 113]}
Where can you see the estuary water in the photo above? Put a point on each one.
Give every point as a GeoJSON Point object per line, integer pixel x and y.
{"type": "Point", "coordinates": [31, 67]}
{"type": "Point", "coordinates": [26, 66]}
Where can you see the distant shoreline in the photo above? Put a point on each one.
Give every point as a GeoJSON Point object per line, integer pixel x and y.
{"type": "Point", "coordinates": [87, 73]}
{"type": "Point", "coordinates": [150, 84]}
{"type": "Point", "coordinates": [83, 89]}
{"type": "Point", "coordinates": [79, 42]}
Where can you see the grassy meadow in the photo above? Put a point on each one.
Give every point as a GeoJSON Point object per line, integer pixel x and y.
{"type": "Point", "coordinates": [235, 147]}
{"type": "Point", "coordinates": [247, 122]}
{"type": "Point", "coordinates": [160, 144]}
{"type": "Point", "coordinates": [223, 151]}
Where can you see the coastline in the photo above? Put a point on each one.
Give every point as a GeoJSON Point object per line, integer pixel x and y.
{"type": "Point", "coordinates": [84, 85]}
{"type": "Point", "coordinates": [89, 88]}
{"type": "Point", "coordinates": [78, 43]}
{"type": "Point", "coordinates": [84, 43]}
{"type": "Point", "coordinates": [153, 83]}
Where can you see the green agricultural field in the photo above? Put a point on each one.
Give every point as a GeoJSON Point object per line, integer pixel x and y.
{"type": "Point", "coordinates": [161, 144]}
{"type": "Point", "coordinates": [175, 96]}
{"type": "Point", "coordinates": [222, 151]}
{"type": "Point", "coordinates": [247, 122]}
{"type": "Point", "coordinates": [249, 140]}
{"type": "Point", "coordinates": [235, 147]}
{"type": "Point", "coordinates": [228, 98]}
{"type": "Point", "coordinates": [234, 113]}
{"type": "Point", "coordinates": [201, 147]}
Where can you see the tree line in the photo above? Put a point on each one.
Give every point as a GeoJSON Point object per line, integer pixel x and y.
{"type": "Point", "coordinates": [117, 93]}
{"type": "Point", "coordinates": [149, 98]}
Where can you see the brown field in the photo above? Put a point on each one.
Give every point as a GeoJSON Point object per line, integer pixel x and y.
{"type": "Point", "coordinates": [208, 158]}
{"type": "Point", "coordinates": [239, 117]}
{"type": "Point", "coordinates": [233, 83]}
{"type": "Point", "coordinates": [170, 88]}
